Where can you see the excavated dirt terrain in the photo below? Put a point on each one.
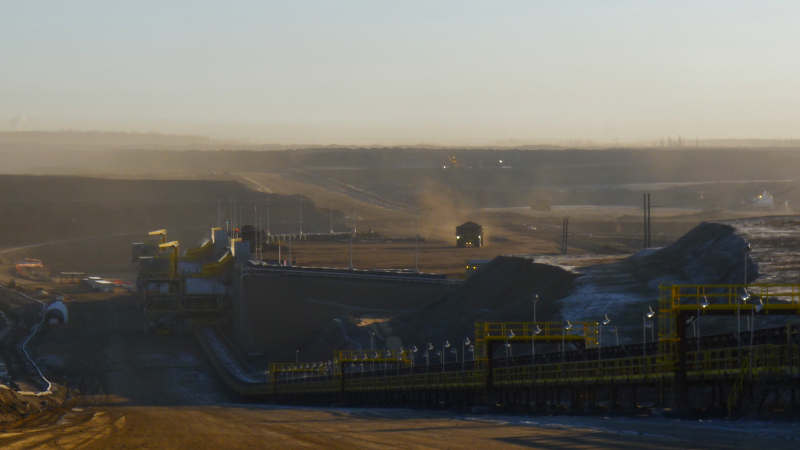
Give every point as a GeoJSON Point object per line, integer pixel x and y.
{"type": "Point", "coordinates": [579, 288]}
{"type": "Point", "coordinates": [136, 391]}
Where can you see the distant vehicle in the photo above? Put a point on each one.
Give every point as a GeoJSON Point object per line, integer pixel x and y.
{"type": "Point", "coordinates": [32, 269]}
{"type": "Point", "coordinates": [474, 264]}
{"type": "Point", "coordinates": [469, 234]}
{"type": "Point", "coordinates": [764, 201]}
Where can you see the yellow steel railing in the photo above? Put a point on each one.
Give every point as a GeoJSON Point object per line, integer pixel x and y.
{"type": "Point", "coordinates": [730, 296]}
{"type": "Point", "coordinates": [373, 356]}
{"type": "Point", "coordinates": [585, 333]}
{"type": "Point", "coordinates": [759, 362]}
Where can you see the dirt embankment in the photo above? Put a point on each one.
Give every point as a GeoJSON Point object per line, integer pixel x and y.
{"type": "Point", "coordinates": [501, 291]}
{"type": "Point", "coordinates": [316, 316]}
{"type": "Point", "coordinates": [711, 253]}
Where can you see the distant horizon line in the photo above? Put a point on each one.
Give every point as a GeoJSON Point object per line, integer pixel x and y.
{"type": "Point", "coordinates": [679, 141]}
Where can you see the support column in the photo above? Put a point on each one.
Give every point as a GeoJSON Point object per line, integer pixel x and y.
{"type": "Point", "coordinates": [489, 373]}
{"type": "Point", "coordinates": [683, 384]}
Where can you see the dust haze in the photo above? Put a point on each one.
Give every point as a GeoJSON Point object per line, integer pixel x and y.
{"type": "Point", "coordinates": [378, 225]}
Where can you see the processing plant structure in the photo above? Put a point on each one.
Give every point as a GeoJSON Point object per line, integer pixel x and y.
{"type": "Point", "coordinates": [178, 292]}
{"type": "Point", "coordinates": [196, 292]}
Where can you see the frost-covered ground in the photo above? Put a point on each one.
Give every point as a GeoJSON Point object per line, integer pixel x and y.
{"type": "Point", "coordinates": [712, 253]}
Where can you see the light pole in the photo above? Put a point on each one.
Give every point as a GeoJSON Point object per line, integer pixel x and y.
{"type": "Point", "coordinates": [372, 341]}
{"type": "Point", "coordinates": [416, 236]}
{"type": "Point", "coordinates": [704, 304]}
{"type": "Point", "coordinates": [563, 346]}
{"type": "Point", "coordinates": [534, 331]}
{"type": "Point", "coordinates": [508, 346]}
{"type": "Point", "coordinates": [745, 297]}
{"type": "Point", "coordinates": [647, 315]}
{"type": "Point", "coordinates": [535, 300]}
{"type": "Point", "coordinates": [297, 356]}
{"type": "Point", "coordinates": [746, 250]}
{"type": "Point", "coordinates": [413, 355]}
{"type": "Point", "coordinates": [427, 357]}
{"type": "Point", "coordinates": [269, 232]}
{"type": "Point", "coordinates": [331, 206]}
{"type": "Point", "coordinates": [399, 359]}
{"type": "Point", "coordinates": [756, 308]}
{"type": "Point", "coordinates": [290, 250]}
{"type": "Point", "coordinates": [445, 345]}
{"type": "Point", "coordinates": [614, 330]}
{"type": "Point", "coordinates": [352, 232]}
{"type": "Point", "coordinates": [605, 321]}
{"type": "Point", "coordinates": [464, 345]}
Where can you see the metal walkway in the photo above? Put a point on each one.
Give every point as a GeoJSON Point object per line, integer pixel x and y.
{"type": "Point", "coordinates": [662, 373]}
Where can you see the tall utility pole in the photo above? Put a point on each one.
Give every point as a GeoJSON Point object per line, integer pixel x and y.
{"type": "Point", "coordinates": [644, 209]}
{"type": "Point", "coordinates": [352, 231]}
{"type": "Point", "coordinates": [416, 235]}
{"type": "Point", "coordinates": [649, 230]}
{"type": "Point", "coordinates": [564, 236]}
{"type": "Point", "coordinates": [301, 215]}
{"type": "Point", "coordinates": [331, 218]}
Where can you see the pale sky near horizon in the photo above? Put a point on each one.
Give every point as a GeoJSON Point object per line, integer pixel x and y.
{"type": "Point", "coordinates": [403, 72]}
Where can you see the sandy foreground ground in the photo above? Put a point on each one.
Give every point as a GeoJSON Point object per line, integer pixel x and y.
{"type": "Point", "coordinates": [160, 392]}
{"type": "Point", "coordinates": [235, 426]}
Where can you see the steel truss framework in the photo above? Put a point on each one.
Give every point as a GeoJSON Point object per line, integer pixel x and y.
{"type": "Point", "coordinates": [666, 370]}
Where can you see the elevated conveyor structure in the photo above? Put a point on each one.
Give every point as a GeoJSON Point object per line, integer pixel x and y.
{"type": "Point", "coordinates": [661, 373]}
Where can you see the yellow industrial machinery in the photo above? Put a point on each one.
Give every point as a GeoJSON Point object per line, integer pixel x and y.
{"type": "Point", "coordinates": [215, 269]}
{"type": "Point", "coordinates": [174, 256]}
{"type": "Point", "coordinates": [200, 253]}
{"type": "Point", "coordinates": [162, 233]}
{"type": "Point", "coordinates": [168, 302]}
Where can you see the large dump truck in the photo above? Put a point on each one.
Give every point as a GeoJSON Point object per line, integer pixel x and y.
{"type": "Point", "coordinates": [469, 234]}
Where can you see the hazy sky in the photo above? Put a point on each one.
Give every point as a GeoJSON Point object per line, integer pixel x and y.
{"type": "Point", "coordinates": [403, 71]}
